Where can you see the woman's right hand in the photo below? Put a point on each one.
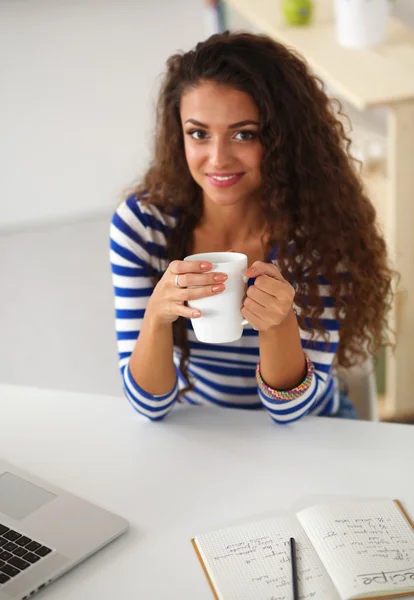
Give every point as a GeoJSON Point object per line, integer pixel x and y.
{"type": "Point", "coordinates": [167, 301]}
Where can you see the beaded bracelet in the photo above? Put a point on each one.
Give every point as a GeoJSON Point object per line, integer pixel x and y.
{"type": "Point", "coordinates": [284, 395]}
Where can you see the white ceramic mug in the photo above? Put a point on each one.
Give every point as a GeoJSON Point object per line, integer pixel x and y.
{"type": "Point", "coordinates": [361, 23]}
{"type": "Point", "coordinates": [221, 320]}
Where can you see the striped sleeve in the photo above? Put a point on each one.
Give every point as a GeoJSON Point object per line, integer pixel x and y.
{"type": "Point", "coordinates": [322, 396]}
{"type": "Point", "coordinates": [136, 235]}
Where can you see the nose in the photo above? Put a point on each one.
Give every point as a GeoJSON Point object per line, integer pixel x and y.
{"type": "Point", "coordinates": [220, 154]}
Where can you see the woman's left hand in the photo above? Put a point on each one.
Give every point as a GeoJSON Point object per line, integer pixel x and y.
{"type": "Point", "coordinates": [270, 300]}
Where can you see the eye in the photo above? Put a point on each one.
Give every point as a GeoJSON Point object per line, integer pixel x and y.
{"type": "Point", "coordinates": [246, 135]}
{"type": "Point", "coordinates": [197, 134]}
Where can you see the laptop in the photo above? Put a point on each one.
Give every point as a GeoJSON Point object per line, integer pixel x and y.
{"type": "Point", "coordinates": [45, 531]}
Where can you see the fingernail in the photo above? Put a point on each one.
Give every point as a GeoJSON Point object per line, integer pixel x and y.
{"type": "Point", "coordinates": [205, 266]}
{"type": "Point", "coordinates": [217, 288]}
{"type": "Point", "coordinates": [220, 277]}
{"type": "Point", "coordinates": [196, 313]}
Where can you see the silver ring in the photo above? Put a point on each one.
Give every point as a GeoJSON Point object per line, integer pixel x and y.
{"type": "Point", "coordinates": [177, 282]}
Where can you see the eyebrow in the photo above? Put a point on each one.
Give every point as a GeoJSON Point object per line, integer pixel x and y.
{"type": "Point", "coordinates": [232, 126]}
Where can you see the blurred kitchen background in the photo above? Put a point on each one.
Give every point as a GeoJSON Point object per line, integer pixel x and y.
{"type": "Point", "coordinates": [78, 82]}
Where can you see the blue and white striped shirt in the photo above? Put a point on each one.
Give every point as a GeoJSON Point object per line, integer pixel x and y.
{"type": "Point", "coordinates": [223, 375]}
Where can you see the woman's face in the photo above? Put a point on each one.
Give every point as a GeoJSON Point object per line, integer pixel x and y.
{"type": "Point", "coordinates": [221, 138]}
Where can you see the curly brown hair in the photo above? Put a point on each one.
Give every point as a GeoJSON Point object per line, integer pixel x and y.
{"type": "Point", "coordinates": [312, 194]}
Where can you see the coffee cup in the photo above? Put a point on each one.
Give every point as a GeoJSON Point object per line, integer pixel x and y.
{"type": "Point", "coordinates": [221, 320]}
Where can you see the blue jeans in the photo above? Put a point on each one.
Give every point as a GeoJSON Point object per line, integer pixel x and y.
{"type": "Point", "coordinates": [346, 408]}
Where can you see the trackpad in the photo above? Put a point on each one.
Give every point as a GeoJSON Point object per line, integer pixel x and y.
{"type": "Point", "coordinates": [19, 498]}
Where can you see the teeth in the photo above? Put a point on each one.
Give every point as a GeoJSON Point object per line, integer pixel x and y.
{"type": "Point", "coordinates": [223, 178]}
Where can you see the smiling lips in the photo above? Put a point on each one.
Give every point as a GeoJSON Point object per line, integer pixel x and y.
{"type": "Point", "coordinates": [224, 179]}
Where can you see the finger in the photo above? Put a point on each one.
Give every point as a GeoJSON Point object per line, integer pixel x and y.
{"type": "Point", "coordinates": [274, 287]}
{"type": "Point", "coordinates": [188, 313]}
{"type": "Point", "coordinates": [263, 298]}
{"type": "Point", "coordinates": [254, 321]}
{"type": "Point", "coordinates": [189, 266]}
{"type": "Point", "coordinates": [262, 268]}
{"type": "Point", "coordinates": [188, 294]}
{"type": "Point", "coordinates": [192, 279]}
{"type": "Point", "coordinates": [263, 313]}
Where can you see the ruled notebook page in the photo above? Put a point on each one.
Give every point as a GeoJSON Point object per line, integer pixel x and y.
{"type": "Point", "coordinates": [366, 547]}
{"type": "Point", "coordinates": [252, 562]}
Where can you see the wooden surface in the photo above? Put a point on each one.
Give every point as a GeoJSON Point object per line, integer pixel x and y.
{"type": "Point", "coordinates": [368, 77]}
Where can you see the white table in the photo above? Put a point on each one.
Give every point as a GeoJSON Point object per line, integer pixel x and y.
{"type": "Point", "coordinates": [201, 468]}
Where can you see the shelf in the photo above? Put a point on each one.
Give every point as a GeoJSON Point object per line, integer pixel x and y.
{"type": "Point", "coordinates": [385, 414]}
{"type": "Point", "coordinates": [357, 75]}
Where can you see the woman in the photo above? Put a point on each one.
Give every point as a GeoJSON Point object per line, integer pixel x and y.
{"type": "Point", "coordinates": [249, 156]}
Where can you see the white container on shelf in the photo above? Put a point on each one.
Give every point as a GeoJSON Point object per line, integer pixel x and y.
{"type": "Point", "coordinates": [361, 23]}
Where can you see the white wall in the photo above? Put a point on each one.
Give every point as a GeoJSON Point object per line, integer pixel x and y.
{"type": "Point", "coordinates": [77, 86]}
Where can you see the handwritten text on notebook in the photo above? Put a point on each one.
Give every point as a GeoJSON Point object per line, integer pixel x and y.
{"type": "Point", "coordinates": [265, 562]}
{"type": "Point", "coordinates": [345, 550]}
{"type": "Point", "coordinates": [373, 538]}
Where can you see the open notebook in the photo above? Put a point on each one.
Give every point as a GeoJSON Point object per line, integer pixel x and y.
{"type": "Point", "coordinates": [345, 550]}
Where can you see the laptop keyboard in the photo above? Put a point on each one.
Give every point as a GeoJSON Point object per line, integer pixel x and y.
{"type": "Point", "coordinates": [17, 553]}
